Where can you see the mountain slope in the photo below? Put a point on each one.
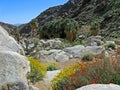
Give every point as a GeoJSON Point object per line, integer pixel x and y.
{"type": "Point", "coordinates": [8, 27]}
{"type": "Point", "coordinates": [107, 12]}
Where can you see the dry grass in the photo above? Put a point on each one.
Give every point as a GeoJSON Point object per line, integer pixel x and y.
{"type": "Point", "coordinates": [67, 63]}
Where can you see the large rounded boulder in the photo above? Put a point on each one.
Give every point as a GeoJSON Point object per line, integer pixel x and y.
{"type": "Point", "coordinates": [7, 42]}
{"type": "Point", "coordinates": [14, 67]}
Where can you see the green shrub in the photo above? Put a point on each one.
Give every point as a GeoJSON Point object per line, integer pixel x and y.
{"type": "Point", "coordinates": [51, 66]}
{"type": "Point", "coordinates": [95, 25]}
{"type": "Point", "coordinates": [111, 45]}
{"type": "Point", "coordinates": [88, 57]}
{"type": "Point", "coordinates": [38, 71]}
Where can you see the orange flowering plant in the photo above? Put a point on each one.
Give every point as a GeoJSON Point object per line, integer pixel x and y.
{"type": "Point", "coordinates": [101, 71]}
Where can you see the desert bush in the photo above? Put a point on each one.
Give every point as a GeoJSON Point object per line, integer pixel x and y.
{"type": "Point", "coordinates": [63, 77]}
{"type": "Point", "coordinates": [51, 66]}
{"type": "Point", "coordinates": [38, 71]}
{"type": "Point", "coordinates": [101, 71]}
{"type": "Point", "coordinates": [111, 45]}
{"type": "Point", "coordinates": [88, 57]}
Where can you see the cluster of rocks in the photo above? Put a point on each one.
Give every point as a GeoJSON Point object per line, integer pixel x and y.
{"type": "Point", "coordinates": [53, 55]}
{"type": "Point", "coordinates": [95, 41]}
{"type": "Point", "coordinates": [54, 50]}
{"type": "Point", "coordinates": [65, 54]}
{"type": "Point", "coordinates": [51, 51]}
{"type": "Point", "coordinates": [32, 45]}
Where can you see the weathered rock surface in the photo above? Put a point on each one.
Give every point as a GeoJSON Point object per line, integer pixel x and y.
{"type": "Point", "coordinates": [78, 51]}
{"type": "Point", "coordinates": [52, 55]}
{"type": "Point", "coordinates": [32, 45]}
{"type": "Point", "coordinates": [14, 67]}
{"type": "Point", "coordinates": [53, 43]}
{"type": "Point", "coordinates": [13, 70]}
{"type": "Point", "coordinates": [9, 42]}
{"type": "Point", "coordinates": [95, 50]}
{"type": "Point", "coordinates": [100, 87]}
{"type": "Point", "coordinates": [75, 50]}
{"type": "Point", "coordinates": [95, 41]}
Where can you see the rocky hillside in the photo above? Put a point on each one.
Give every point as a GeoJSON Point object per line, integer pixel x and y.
{"type": "Point", "coordinates": [8, 27]}
{"type": "Point", "coordinates": [107, 12]}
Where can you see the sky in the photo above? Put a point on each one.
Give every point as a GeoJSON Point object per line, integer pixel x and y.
{"type": "Point", "coordinates": [22, 11]}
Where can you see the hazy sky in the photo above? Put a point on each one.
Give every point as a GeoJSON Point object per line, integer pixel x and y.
{"type": "Point", "coordinates": [22, 11]}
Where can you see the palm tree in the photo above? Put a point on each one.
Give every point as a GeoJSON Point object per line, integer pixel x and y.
{"type": "Point", "coordinates": [16, 33]}
{"type": "Point", "coordinates": [71, 29]}
{"type": "Point", "coordinates": [95, 27]}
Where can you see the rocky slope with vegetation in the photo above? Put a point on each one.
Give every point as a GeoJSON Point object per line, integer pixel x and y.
{"type": "Point", "coordinates": [9, 27]}
{"type": "Point", "coordinates": [105, 12]}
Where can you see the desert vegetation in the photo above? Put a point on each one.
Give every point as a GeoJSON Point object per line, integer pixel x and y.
{"type": "Point", "coordinates": [103, 71]}
{"type": "Point", "coordinates": [60, 28]}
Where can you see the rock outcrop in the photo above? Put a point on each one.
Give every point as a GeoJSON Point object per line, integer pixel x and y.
{"type": "Point", "coordinates": [13, 71]}
{"type": "Point", "coordinates": [33, 45]}
{"type": "Point", "coordinates": [52, 55]}
{"type": "Point", "coordinates": [14, 68]}
{"type": "Point", "coordinates": [95, 41]}
{"type": "Point", "coordinates": [78, 51]}
{"type": "Point", "coordinates": [75, 50]}
{"type": "Point", "coordinates": [8, 43]}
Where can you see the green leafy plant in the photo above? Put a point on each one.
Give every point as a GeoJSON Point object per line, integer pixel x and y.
{"type": "Point", "coordinates": [51, 66]}
{"type": "Point", "coordinates": [38, 71]}
{"type": "Point", "coordinates": [111, 45]}
{"type": "Point", "coordinates": [88, 57]}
